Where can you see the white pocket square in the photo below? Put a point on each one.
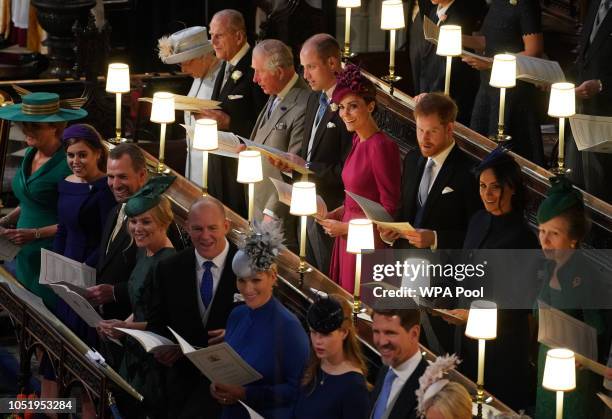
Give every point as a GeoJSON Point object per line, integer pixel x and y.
{"type": "Point", "coordinates": [331, 125]}
{"type": "Point", "coordinates": [447, 189]}
{"type": "Point", "coordinates": [234, 97]}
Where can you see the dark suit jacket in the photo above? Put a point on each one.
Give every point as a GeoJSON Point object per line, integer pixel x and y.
{"type": "Point", "coordinates": [175, 305]}
{"type": "Point", "coordinates": [446, 213]}
{"type": "Point", "coordinates": [432, 71]}
{"type": "Point", "coordinates": [116, 266]}
{"type": "Point", "coordinates": [406, 402]}
{"type": "Point", "coordinates": [593, 62]}
{"type": "Point", "coordinates": [247, 100]}
{"type": "Point", "coordinates": [330, 147]}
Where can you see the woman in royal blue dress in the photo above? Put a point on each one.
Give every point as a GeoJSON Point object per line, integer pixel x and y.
{"type": "Point", "coordinates": [334, 384]}
{"type": "Point", "coordinates": [264, 333]}
{"type": "Point", "coordinates": [84, 202]}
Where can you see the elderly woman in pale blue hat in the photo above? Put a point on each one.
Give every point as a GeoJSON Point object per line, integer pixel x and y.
{"type": "Point", "coordinates": [191, 49]}
{"type": "Point", "coordinates": [33, 223]}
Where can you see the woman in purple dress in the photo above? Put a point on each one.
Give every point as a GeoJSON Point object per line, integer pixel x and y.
{"type": "Point", "coordinates": [85, 201]}
{"type": "Point", "coordinates": [372, 169]}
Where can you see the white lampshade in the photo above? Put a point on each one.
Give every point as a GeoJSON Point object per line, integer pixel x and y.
{"type": "Point", "coordinates": [503, 73]}
{"type": "Point", "coordinates": [249, 167]}
{"type": "Point", "coordinates": [360, 236]}
{"type": "Point", "coordinates": [449, 41]}
{"type": "Point", "coordinates": [392, 16]}
{"type": "Point", "coordinates": [562, 102]}
{"type": "Point", "coordinates": [559, 370]}
{"type": "Point", "coordinates": [205, 136]}
{"type": "Point", "coordinates": [346, 4]}
{"type": "Point", "coordinates": [482, 320]}
{"type": "Point", "coordinates": [118, 78]}
{"type": "Point", "coordinates": [162, 110]}
{"type": "Point", "coordinates": [303, 198]}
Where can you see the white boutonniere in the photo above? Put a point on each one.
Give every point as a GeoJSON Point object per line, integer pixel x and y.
{"type": "Point", "coordinates": [334, 107]}
{"type": "Point", "coordinates": [236, 74]}
{"type": "Point", "coordinates": [331, 125]}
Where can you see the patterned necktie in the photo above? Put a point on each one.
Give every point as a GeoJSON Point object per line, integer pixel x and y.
{"type": "Point", "coordinates": [228, 71]}
{"type": "Point", "coordinates": [272, 102]}
{"type": "Point", "coordinates": [118, 224]}
{"type": "Point", "coordinates": [206, 287]}
{"type": "Point", "coordinates": [383, 398]}
{"type": "Point", "coordinates": [322, 108]}
{"type": "Point", "coordinates": [604, 7]}
{"type": "Point", "coordinates": [425, 182]}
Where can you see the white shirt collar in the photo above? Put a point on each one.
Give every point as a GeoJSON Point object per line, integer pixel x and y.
{"type": "Point", "coordinates": [330, 92]}
{"type": "Point", "coordinates": [405, 369]}
{"type": "Point", "coordinates": [281, 95]}
{"type": "Point", "coordinates": [218, 260]}
{"type": "Point", "coordinates": [241, 53]}
{"type": "Point", "coordinates": [440, 158]}
{"type": "Point", "coordinates": [441, 11]}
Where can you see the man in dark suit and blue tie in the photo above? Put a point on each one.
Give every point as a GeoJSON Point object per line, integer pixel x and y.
{"type": "Point", "coordinates": [193, 294]}
{"type": "Point", "coordinates": [439, 192]}
{"type": "Point", "coordinates": [396, 336]}
{"type": "Point", "coordinates": [326, 141]}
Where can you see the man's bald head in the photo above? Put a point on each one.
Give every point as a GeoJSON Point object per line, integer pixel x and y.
{"type": "Point", "coordinates": [208, 226]}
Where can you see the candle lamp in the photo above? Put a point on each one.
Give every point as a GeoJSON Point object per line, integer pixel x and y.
{"type": "Point", "coordinates": [205, 139]}
{"type": "Point", "coordinates": [559, 374]}
{"type": "Point", "coordinates": [118, 82]}
{"type": "Point", "coordinates": [392, 19]}
{"type": "Point", "coordinates": [562, 105]}
{"type": "Point", "coordinates": [348, 5]}
{"type": "Point", "coordinates": [481, 325]}
{"type": "Point", "coordinates": [449, 46]}
{"type": "Point", "coordinates": [303, 204]}
{"type": "Point", "coordinates": [503, 76]}
{"type": "Point", "coordinates": [360, 240]}
{"type": "Point", "coordinates": [250, 172]}
{"type": "Point", "coordinates": [162, 112]}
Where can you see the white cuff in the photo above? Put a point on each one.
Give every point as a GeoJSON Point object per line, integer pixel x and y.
{"type": "Point", "coordinates": [434, 246]}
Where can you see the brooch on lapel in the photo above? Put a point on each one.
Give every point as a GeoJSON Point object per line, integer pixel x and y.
{"type": "Point", "coordinates": [333, 107]}
{"type": "Point", "coordinates": [576, 282]}
{"type": "Point", "coordinates": [283, 108]}
{"type": "Point", "coordinates": [281, 125]}
{"type": "Point", "coordinates": [331, 125]}
{"type": "Point", "coordinates": [236, 74]}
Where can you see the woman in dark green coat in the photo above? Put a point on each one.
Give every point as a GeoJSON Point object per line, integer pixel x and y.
{"type": "Point", "coordinates": [149, 215]}
{"type": "Point", "coordinates": [32, 225]}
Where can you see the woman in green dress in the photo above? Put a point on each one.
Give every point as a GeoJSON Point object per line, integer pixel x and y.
{"type": "Point", "coordinates": [570, 285]}
{"type": "Point", "coordinates": [149, 215]}
{"type": "Point", "coordinates": [32, 225]}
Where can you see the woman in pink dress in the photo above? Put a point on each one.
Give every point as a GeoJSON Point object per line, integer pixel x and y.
{"type": "Point", "coordinates": [372, 169]}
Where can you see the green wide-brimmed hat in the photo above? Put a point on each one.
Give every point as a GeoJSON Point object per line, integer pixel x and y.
{"type": "Point", "coordinates": [561, 196]}
{"type": "Point", "coordinates": [40, 107]}
{"type": "Point", "coordinates": [149, 196]}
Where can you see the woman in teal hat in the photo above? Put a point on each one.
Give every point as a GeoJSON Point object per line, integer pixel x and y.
{"type": "Point", "coordinates": [149, 215]}
{"type": "Point", "coordinates": [571, 285]}
{"type": "Point", "coordinates": [33, 223]}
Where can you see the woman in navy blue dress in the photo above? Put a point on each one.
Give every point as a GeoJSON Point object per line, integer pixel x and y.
{"type": "Point", "coordinates": [334, 384]}
{"type": "Point", "coordinates": [85, 201]}
{"type": "Point", "coordinates": [264, 333]}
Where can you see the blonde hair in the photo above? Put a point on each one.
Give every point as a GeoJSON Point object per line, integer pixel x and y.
{"type": "Point", "coordinates": [350, 347]}
{"type": "Point", "coordinates": [162, 212]}
{"type": "Point", "coordinates": [452, 402]}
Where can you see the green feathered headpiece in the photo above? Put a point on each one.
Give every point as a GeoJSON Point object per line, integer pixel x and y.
{"type": "Point", "coordinates": [561, 196]}
{"type": "Point", "coordinates": [149, 196]}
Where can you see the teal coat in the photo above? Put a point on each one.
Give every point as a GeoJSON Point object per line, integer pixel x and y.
{"type": "Point", "coordinates": [38, 195]}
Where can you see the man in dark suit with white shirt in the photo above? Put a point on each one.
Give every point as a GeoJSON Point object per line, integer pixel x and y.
{"type": "Point", "coordinates": [241, 101]}
{"type": "Point", "coordinates": [439, 192]}
{"type": "Point", "coordinates": [396, 336]}
{"type": "Point", "coordinates": [193, 294]}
